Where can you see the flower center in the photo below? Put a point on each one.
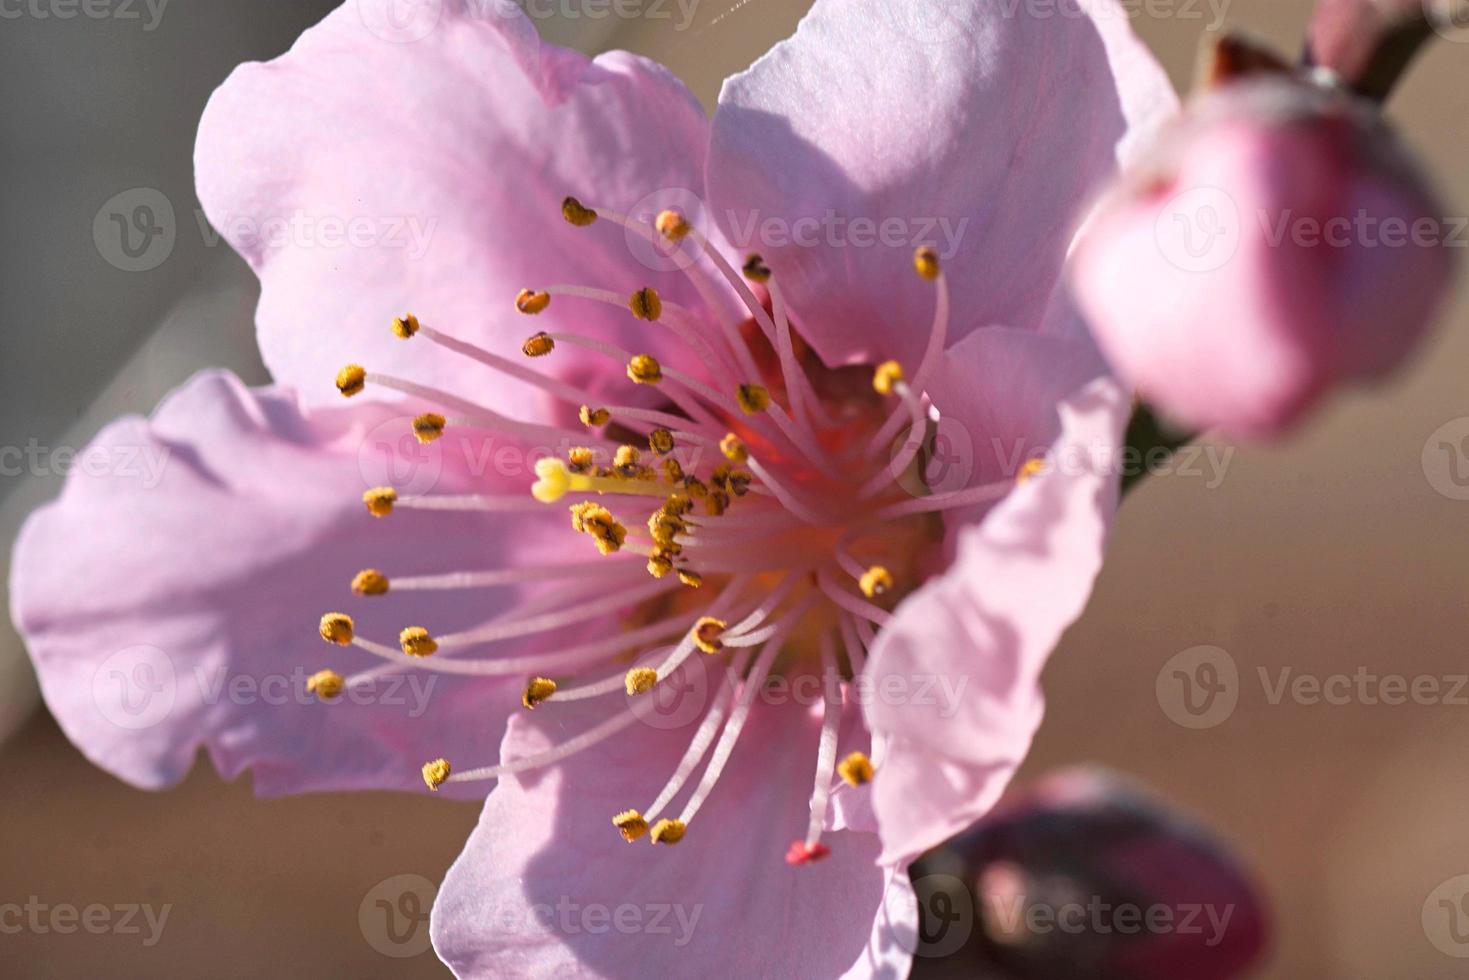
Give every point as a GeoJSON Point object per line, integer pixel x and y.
{"type": "Point", "coordinates": [775, 507]}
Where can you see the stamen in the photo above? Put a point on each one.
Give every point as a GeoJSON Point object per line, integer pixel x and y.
{"type": "Point", "coordinates": [380, 500]}
{"type": "Point", "coordinates": [888, 374]}
{"type": "Point", "coordinates": [630, 824]}
{"type": "Point", "coordinates": [325, 684]}
{"type": "Point", "coordinates": [351, 380]}
{"type": "Point", "coordinates": [849, 602]}
{"type": "Point", "coordinates": [429, 427]}
{"type": "Point", "coordinates": [753, 399]}
{"type": "Point", "coordinates": [640, 680]}
{"type": "Point", "coordinates": [703, 737]}
{"type": "Point", "coordinates": [672, 226]}
{"type": "Point", "coordinates": [826, 751]}
{"type": "Point", "coordinates": [597, 521]}
{"type": "Point", "coordinates": [643, 369]}
{"type": "Point", "coordinates": [499, 503]}
{"type": "Point", "coordinates": [531, 302]}
{"type": "Point", "coordinates": [667, 832]}
{"type": "Point", "coordinates": [435, 773]}
{"type": "Point", "coordinates": [537, 690]}
{"type": "Point", "coordinates": [708, 634]}
{"type": "Point", "coordinates": [336, 628]}
{"type": "Point", "coordinates": [646, 304]}
{"type": "Point", "coordinates": [755, 269]}
{"type": "Point", "coordinates": [571, 747]}
{"type": "Point", "coordinates": [416, 642]}
{"type": "Point", "coordinates": [660, 441]}
{"type": "Point", "coordinates": [937, 337]}
{"type": "Point", "coordinates": [405, 326]}
{"type": "Point", "coordinates": [370, 581]}
{"type": "Point", "coordinates": [538, 345]}
{"type": "Point", "coordinates": [875, 582]}
{"type": "Point", "coordinates": [926, 261]}
{"type": "Point", "coordinates": [577, 214]}
{"type": "Point", "coordinates": [856, 769]}
{"type": "Point", "coordinates": [594, 417]}
{"type": "Point", "coordinates": [734, 449]}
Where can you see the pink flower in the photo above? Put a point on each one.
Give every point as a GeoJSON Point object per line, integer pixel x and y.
{"type": "Point", "coordinates": [857, 605]}
{"type": "Point", "coordinates": [1276, 245]}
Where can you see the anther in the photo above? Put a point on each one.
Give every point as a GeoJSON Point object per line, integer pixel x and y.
{"type": "Point", "coordinates": [690, 578]}
{"type": "Point", "coordinates": [855, 769]}
{"type": "Point", "coordinates": [667, 832]}
{"type": "Point", "coordinates": [926, 261]}
{"type": "Point", "coordinates": [640, 680]}
{"type": "Point", "coordinates": [416, 642]}
{"type": "Point", "coordinates": [672, 470]}
{"type": "Point", "coordinates": [577, 213]}
{"type": "Point", "coordinates": [594, 417]}
{"type": "Point", "coordinates": [660, 563]}
{"type": "Point", "coordinates": [380, 500]}
{"type": "Point", "coordinates": [351, 380]}
{"type": "Point", "coordinates": [660, 441]}
{"type": "Point", "coordinates": [597, 521]}
{"type": "Point", "coordinates": [336, 628]}
{"type": "Point", "coordinates": [428, 427]}
{"type": "Point", "coordinates": [755, 269]}
{"type": "Point", "coordinates": [644, 370]}
{"type": "Point", "coordinates": [434, 773]}
{"type": "Point", "coordinates": [530, 302]}
{"type": "Point", "coordinates": [885, 379]}
{"type": "Point", "coordinates": [405, 326]}
{"type": "Point", "coordinates": [325, 684]}
{"type": "Point", "coordinates": [580, 459]}
{"type": "Point", "coordinates": [709, 634]}
{"type": "Point", "coordinates": [625, 460]}
{"type": "Point", "coordinates": [1030, 469]}
{"type": "Point", "coordinates": [646, 304]}
{"type": "Point", "coordinates": [876, 581]}
{"type": "Point", "coordinates": [538, 345]}
{"type": "Point", "coordinates": [537, 690]}
{"type": "Point", "coordinates": [370, 581]}
{"type": "Point", "coordinates": [630, 824]}
{"type": "Point", "coordinates": [753, 399]}
{"type": "Point", "coordinates": [672, 226]}
{"type": "Point", "coordinates": [677, 504]}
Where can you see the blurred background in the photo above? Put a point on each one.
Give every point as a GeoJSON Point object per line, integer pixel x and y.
{"type": "Point", "coordinates": [1335, 554]}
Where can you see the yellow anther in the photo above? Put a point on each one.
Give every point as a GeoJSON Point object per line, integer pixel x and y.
{"type": "Point", "coordinates": [753, 399]}
{"type": "Point", "coordinates": [644, 370]}
{"type": "Point", "coordinates": [434, 773]}
{"type": "Point", "coordinates": [672, 226]}
{"type": "Point", "coordinates": [677, 504]}
{"type": "Point", "coordinates": [577, 213]}
{"type": "Point", "coordinates": [660, 441]}
{"type": "Point", "coordinates": [709, 634]}
{"type": "Point", "coordinates": [664, 527]}
{"type": "Point", "coordinates": [351, 380]}
{"type": "Point", "coordinates": [672, 470]}
{"type": "Point", "coordinates": [640, 680]}
{"type": "Point", "coordinates": [646, 304]}
{"type": "Point", "coordinates": [695, 487]}
{"type": "Point", "coordinates": [553, 480]}
{"type": "Point", "coordinates": [755, 269]}
{"type": "Point", "coordinates": [630, 824]}
{"type": "Point", "coordinates": [667, 832]}
{"type": "Point", "coordinates": [405, 326]}
{"type": "Point", "coordinates": [594, 417]}
{"type": "Point", "coordinates": [336, 628]}
{"type": "Point", "coordinates": [716, 503]}
{"type": "Point", "coordinates": [625, 460]}
{"type": "Point", "coordinates": [531, 302]}
{"type": "Point", "coordinates": [660, 563]}
{"type": "Point", "coordinates": [885, 379]}
{"type": "Point", "coordinates": [876, 581]}
{"type": "Point", "coordinates": [597, 521]}
{"type": "Point", "coordinates": [537, 690]}
{"type": "Point", "coordinates": [325, 684]}
{"type": "Point", "coordinates": [416, 642]}
{"type": "Point", "coordinates": [926, 261]}
{"type": "Point", "coordinates": [739, 482]}
{"type": "Point", "coordinates": [380, 500]}
{"type": "Point", "coordinates": [856, 769]}
{"type": "Point", "coordinates": [692, 579]}
{"type": "Point", "coordinates": [428, 427]}
{"type": "Point", "coordinates": [370, 581]}
{"type": "Point", "coordinates": [580, 459]}
{"type": "Point", "coordinates": [538, 345]}
{"type": "Point", "coordinates": [1031, 469]}
{"type": "Point", "coordinates": [734, 449]}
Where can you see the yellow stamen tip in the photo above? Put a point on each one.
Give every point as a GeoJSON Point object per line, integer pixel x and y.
{"type": "Point", "coordinates": [594, 417]}
{"type": "Point", "coordinates": [855, 769]}
{"type": "Point", "coordinates": [416, 642]}
{"type": "Point", "coordinates": [530, 302]}
{"type": "Point", "coordinates": [577, 213]}
{"type": "Point", "coordinates": [429, 427]}
{"type": "Point", "coordinates": [926, 261]}
{"type": "Point", "coordinates": [677, 504]}
{"type": "Point", "coordinates": [336, 628]}
{"type": "Point", "coordinates": [434, 773]}
{"type": "Point", "coordinates": [755, 269]}
{"type": "Point", "coordinates": [594, 519]}
{"type": "Point", "coordinates": [734, 449]}
{"type": "Point", "coordinates": [537, 690]}
{"type": "Point", "coordinates": [660, 441]}
{"type": "Point", "coordinates": [709, 634]}
{"type": "Point", "coordinates": [630, 824]}
{"type": "Point", "coordinates": [325, 684]}
{"type": "Point", "coordinates": [667, 832]}
{"type": "Point", "coordinates": [1031, 469]}
{"type": "Point", "coordinates": [405, 326]}
{"type": "Point", "coordinates": [646, 304]}
{"type": "Point", "coordinates": [659, 563]}
{"type": "Point", "coordinates": [753, 399]}
{"type": "Point", "coordinates": [672, 226]}
{"type": "Point", "coordinates": [351, 380]}
{"type": "Point", "coordinates": [553, 481]}
{"type": "Point", "coordinates": [380, 500]}
{"type": "Point", "coordinates": [640, 680]}
{"type": "Point", "coordinates": [692, 579]}
{"type": "Point", "coordinates": [626, 458]}
{"type": "Point", "coordinates": [885, 379]}
{"type": "Point", "coordinates": [370, 581]}
{"type": "Point", "coordinates": [580, 459]}
{"type": "Point", "coordinates": [644, 370]}
{"type": "Point", "coordinates": [672, 470]}
{"type": "Point", "coordinates": [538, 345]}
{"type": "Point", "coordinates": [876, 581]}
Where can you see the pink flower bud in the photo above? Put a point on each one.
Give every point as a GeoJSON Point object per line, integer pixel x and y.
{"type": "Point", "coordinates": [1276, 244]}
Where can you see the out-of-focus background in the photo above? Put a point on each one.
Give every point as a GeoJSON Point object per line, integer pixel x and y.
{"type": "Point", "coordinates": [1337, 554]}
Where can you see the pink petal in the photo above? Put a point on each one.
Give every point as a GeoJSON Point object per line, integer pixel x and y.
{"type": "Point", "coordinates": [971, 130]}
{"type": "Point", "coordinates": [451, 154]}
{"type": "Point", "coordinates": [170, 597]}
{"type": "Point", "coordinates": [984, 630]}
{"type": "Point", "coordinates": [724, 895]}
